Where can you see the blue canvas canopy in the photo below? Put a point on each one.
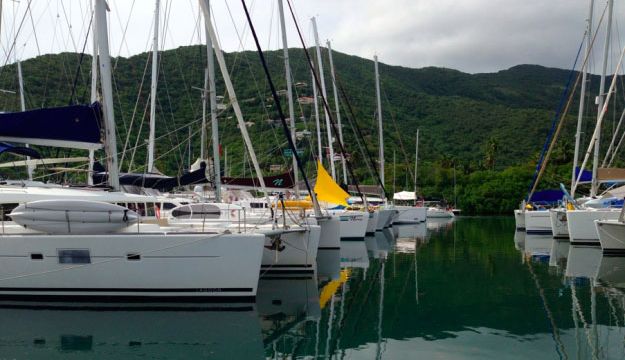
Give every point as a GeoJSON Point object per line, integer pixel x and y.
{"type": "Point", "coordinates": [75, 126]}
{"type": "Point", "coordinates": [547, 196]}
{"type": "Point", "coordinates": [586, 175]}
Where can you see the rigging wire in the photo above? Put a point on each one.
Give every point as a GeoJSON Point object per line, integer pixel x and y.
{"type": "Point", "coordinates": [285, 127]}
{"type": "Point", "coordinates": [325, 104]}
{"type": "Point", "coordinates": [561, 115]}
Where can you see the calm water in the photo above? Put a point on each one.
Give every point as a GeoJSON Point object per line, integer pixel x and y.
{"type": "Point", "coordinates": [466, 289]}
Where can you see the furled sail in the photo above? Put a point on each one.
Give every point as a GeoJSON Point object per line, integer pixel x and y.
{"type": "Point", "coordinates": [327, 189]}
{"type": "Point", "coordinates": [75, 126]}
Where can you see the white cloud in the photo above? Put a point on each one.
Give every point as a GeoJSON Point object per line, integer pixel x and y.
{"type": "Point", "coordinates": [469, 35]}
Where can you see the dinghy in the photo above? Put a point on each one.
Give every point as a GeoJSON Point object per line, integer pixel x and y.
{"type": "Point", "coordinates": [73, 216]}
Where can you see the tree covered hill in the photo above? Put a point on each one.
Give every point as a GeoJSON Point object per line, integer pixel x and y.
{"type": "Point", "coordinates": [473, 121]}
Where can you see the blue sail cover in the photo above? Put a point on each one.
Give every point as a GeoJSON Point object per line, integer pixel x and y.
{"type": "Point", "coordinates": [586, 176]}
{"type": "Point", "coordinates": [75, 126]}
{"type": "Point", "coordinates": [547, 196]}
{"type": "Point", "coordinates": [19, 150]}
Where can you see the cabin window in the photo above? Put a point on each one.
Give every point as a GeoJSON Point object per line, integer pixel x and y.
{"type": "Point", "coordinates": [74, 256]}
{"type": "Point", "coordinates": [141, 209]}
{"type": "Point", "coordinates": [197, 211]}
{"type": "Point", "coordinates": [168, 206]}
{"type": "Point", "coordinates": [5, 210]}
{"type": "Point", "coordinates": [36, 256]}
{"type": "Point", "coordinates": [257, 205]}
{"type": "Point", "coordinates": [133, 256]}
{"type": "Point", "coordinates": [150, 210]}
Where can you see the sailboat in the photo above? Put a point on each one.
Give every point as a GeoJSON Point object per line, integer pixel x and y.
{"type": "Point", "coordinates": [581, 219]}
{"type": "Point", "coordinates": [136, 261]}
{"type": "Point", "coordinates": [410, 214]}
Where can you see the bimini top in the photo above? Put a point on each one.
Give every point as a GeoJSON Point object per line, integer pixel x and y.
{"type": "Point", "coordinates": [404, 195]}
{"type": "Point", "coordinates": [74, 126]}
{"type": "Point", "coordinates": [547, 196]}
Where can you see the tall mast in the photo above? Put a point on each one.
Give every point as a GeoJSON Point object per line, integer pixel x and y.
{"type": "Point", "coordinates": [153, 88]}
{"type": "Point", "coordinates": [94, 92]}
{"type": "Point", "coordinates": [394, 170]}
{"type": "Point", "coordinates": [30, 168]}
{"type": "Point", "coordinates": [107, 94]}
{"type": "Point", "coordinates": [416, 166]}
{"type": "Point", "coordinates": [338, 112]}
{"type": "Point", "coordinates": [377, 93]}
{"type": "Point", "coordinates": [582, 94]}
{"type": "Point", "coordinates": [289, 91]}
{"type": "Point", "coordinates": [212, 94]}
{"type": "Point", "coordinates": [601, 97]}
{"type": "Point", "coordinates": [233, 97]}
{"type": "Point", "coordinates": [316, 105]}
{"type": "Point", "coordinates": [325, 96]}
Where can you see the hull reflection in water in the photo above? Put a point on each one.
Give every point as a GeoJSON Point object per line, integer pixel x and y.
{"type": "Point", "coordinates": [559, 253]}
{"type": "Point", "coordinates": [329, 262]}
{"type": "Point", "coordinates": [538, 247]}
{"type": "Point", "coordinates": [233, 333]}
{"type": "Point", "coordinates": [416, 231]}
{"type": "Point", "coordinates": [354, 255]}
{"type": "Point", "coordinates": [583, 261]}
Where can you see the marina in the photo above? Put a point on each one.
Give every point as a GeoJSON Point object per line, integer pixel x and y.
{"type": "Point", "coordinates": [213, 180]}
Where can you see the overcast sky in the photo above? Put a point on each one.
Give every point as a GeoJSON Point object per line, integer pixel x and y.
{"type": "Point", "coordinates": [468, 35]}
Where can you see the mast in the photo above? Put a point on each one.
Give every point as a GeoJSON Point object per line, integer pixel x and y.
{"type": "Point", "coordinates": [203, 124]}
{"type": "Point", "coordinates": [416, 166]}
{"type": "Point", "coordinates": [394, 170]}
{"type": "Point", "coordinates": [601, 98]}
{"type": "Point", "coordinates": [212, 94]}
{"type": "Point", "coordinates": [233, 97]}
{"type": "Point", "coordinates": [377, 93]}
{"type": "Point", "coordinates": [338, 112]}
{"type": "Point", "coordinates": [107, 93]}
{"type": "Point", "coordinates": [94, 91]}
{"type": "Point", "coordinates": [153, 88]}
{"type": "Point", "coordinates": [315, 95]}
{"type": "Point", "coordinates": [582, 94]}
{"type": "Point", "coordinates": [20, 79]}
{"type": "Point", "coordinates": [289, 91]}
{"type": "Point", "coordinates": [325, 96]}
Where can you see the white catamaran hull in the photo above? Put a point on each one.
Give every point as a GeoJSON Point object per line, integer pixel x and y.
{"type": "Point", "coordinates": [537, 222]}
{"type": "Point", "coordinates": [330, 237]}
{"type": "Point", "coordinates": [291, 251]}
{"type": "Point", "coordinates": [519, 219]}
{"type": "Point", "coordinates": [611, 236]}
{"type": "Point", "coordinates": [410, 214]}
{"type": "Point", "coordinates": [385, 218]}
{"type": "Point", "coordinates": [439, 213]}
{"type": "Point", "coordinates": [353, 224]}
{"type": "Point", "coordinates": [127, 266]}
{"type": "Point", "coordinates": [582, 229]}
{"type": "Point", "coordinates": [372, 221]}
{"type": "Point", "coordinates": [559, 224]}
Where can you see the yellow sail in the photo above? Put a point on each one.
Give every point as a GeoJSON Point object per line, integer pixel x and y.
{"type": "Point", "coordinates": [327, 189]}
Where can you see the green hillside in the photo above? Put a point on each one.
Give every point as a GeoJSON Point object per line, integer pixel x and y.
{"type": "Point", "coordinates": [489, 127]}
